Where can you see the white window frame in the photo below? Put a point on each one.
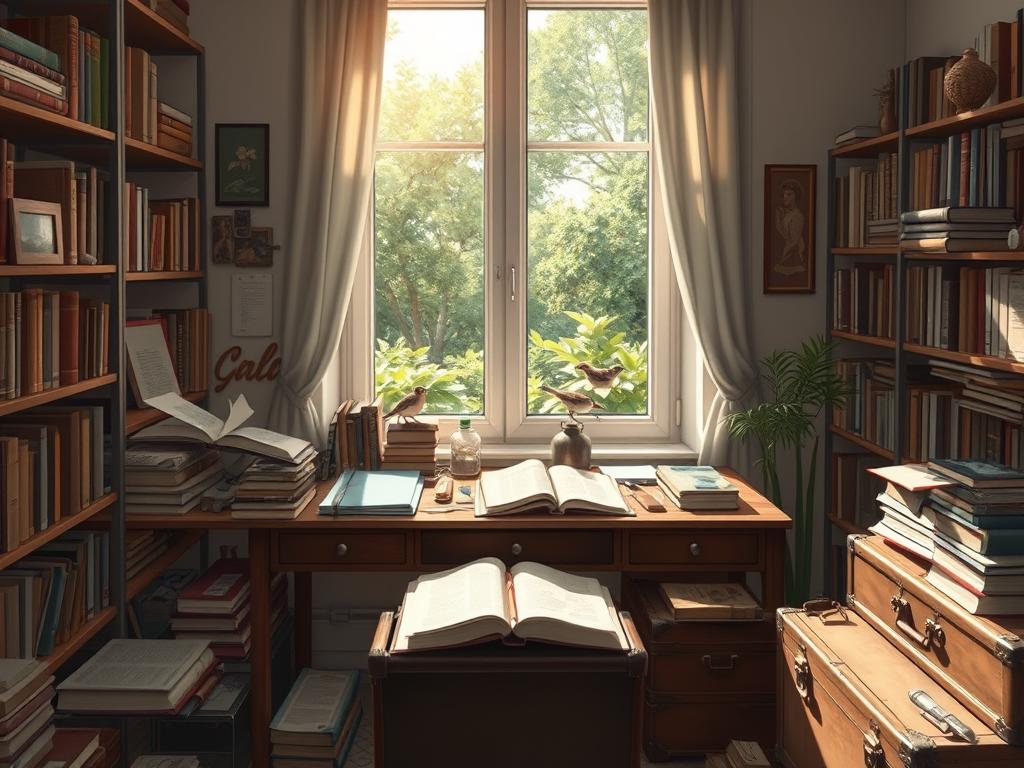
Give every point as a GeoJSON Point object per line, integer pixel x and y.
{"type": "Point", "coordinates": [675, 367]}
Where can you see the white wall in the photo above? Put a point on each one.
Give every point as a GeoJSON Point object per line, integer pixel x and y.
{"type": "Point", "coordinates": [946, 27]}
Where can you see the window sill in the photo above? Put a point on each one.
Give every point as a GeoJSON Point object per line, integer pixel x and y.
{"type": "Point", "coordinates": [504, 454]}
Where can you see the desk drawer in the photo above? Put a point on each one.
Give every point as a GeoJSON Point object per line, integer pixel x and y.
{"type": "Point", "coordinates": [341, 549]}
{"type": "Point", "coordinates": [740, 668]}
{"type": "Point", "coordinates": [697, 548]}
{"type": "Point", "coordinates": [549, 547]}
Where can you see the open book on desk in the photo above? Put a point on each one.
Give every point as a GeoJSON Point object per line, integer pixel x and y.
{"type": "Point", "coordinates": [482, 601]}
{"type": "Point", "coordinates": [530, 487]}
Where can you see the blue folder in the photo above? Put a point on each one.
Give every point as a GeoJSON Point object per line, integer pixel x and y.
{"type": "Point", "coordinates": [378, 492]}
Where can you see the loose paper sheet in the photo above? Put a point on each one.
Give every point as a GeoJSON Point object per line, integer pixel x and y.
{"type": "Point", "coordinates": [252, 304]}
{"type": "Point", "coordinates": [190, 413]}
{"type": "Point", "coordinates": [150, 361]}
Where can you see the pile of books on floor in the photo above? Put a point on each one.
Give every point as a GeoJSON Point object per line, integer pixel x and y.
{"type": "Point", "coordinates": [957, 230]}
{"type": "Point", "coordinates": [697, 487]}
{"type": "Point", "coordinates": [739, 754]}
{"type": "Point", "coordinates": [410, 445]}
{"type": "Point", "coordinates": [216, 608]}
{"type": "Point", "coordinates": [318, 721]}
{"type": "Point", "coordinates": [26, 712]}
{"type": "Point", "coordinates": [275, 489]}
{"type": "Point", "coordinates": [142, 548]}
{"type": "Point", "coordinates": [134, 677]}
{"type": "Point", "coordinates": [169, 480]}
{"type": "Point", "coordinates": [967, 519]}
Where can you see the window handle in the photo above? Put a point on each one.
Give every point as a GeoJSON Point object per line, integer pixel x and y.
{"type": "Point", "coordinates": [512, 272]}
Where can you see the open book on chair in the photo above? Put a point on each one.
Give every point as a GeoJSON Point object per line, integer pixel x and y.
{"type": "Point", "coordinates": [482, 601]}
{"type": "Point", "coordinates": [529, 487]}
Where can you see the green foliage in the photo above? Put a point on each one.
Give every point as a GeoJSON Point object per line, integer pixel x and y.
{"type": "Point", "coordinates": [798, 385]}
{"type": "Point", "coordinates": [398, 369]}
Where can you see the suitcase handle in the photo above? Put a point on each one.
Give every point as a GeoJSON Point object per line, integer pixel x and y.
{"type": "Point", "coordinates": [725, 667]}
{"type": "Point", "coordinates": [933, 633]}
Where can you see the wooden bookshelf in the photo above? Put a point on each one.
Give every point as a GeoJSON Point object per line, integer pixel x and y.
{"type": "Point", "coordinates": [142, 156]}
{"type": "Point", "coordinates": [860, 442]}
{"type": "Point", "coordinates": [65, 524]}
{"type": "Point", "coordinates": [966, 358]}
{"type": "Point", "coordinates": [868, 147]}
{"type": "Point", "coordinates": [7, 407]}
{"type": "Point", "coordinates": [947, 126]}
{"type": "Point", "coordinates": [870, 251]}
{"type": "Point", "coordinates": [1005, 257]}
{"type": "Point", "coordinates": [76, 642]}
{"type": "Point", "coordinates": [140, 418]}
{"type": "Point", "coordinates": [850, 529]}
{"type": "Point", "coordinates": [876, 341]}
{"type": "Point", "coordinates": [55, 270]}
{"type": "Point", "coordinates": [24, 123]}
{"type": "Point", "coordinates": [177, 549]}
{"type": "Point", "coordinates": [142, 277]}
{"type": "Point", "coordinates": [145, 28]}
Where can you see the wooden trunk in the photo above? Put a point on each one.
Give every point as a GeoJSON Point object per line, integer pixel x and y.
{"type": "Point", "coordinates": [978, 660]}
{"type": "Point", "coordinates": [707, 682]}
{"type": "Point", "coordinates": [537, 705]}
{"type": "Point", "coordinates": [843, 703]}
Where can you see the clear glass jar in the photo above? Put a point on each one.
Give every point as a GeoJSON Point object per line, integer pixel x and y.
{"type": "Point", "coordinates": [465, 449]}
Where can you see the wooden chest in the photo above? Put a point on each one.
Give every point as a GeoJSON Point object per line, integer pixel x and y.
{"type": "Point", "coordinates": [843, 703]}
{"type": "Point", "coordinates": [978, 660]}
{"type": "Point", "coordinates": [707, 682]}
{"type": "Point", "coordinates": [536, 705]}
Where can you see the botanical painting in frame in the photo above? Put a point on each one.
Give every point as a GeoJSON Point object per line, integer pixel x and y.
{"type": "Point", "coordinates": [243, 164]}
{"type": "Point", "coordinates": [789, 195]}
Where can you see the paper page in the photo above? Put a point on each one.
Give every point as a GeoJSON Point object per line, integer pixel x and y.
{"type": "Point", "coordinates": [293, 446]}
{"type": "Point", "coordinates": [578, 485]}
{"type": "Point", "coordinates": [138, 665]}
{"type": "Point", "coordinates": [543, 592]}
{"type": "Point", "coordinates": [314, 703]}
{"type": "Point", "coordinates": [252, 304]}
{"type": "Point", "coordinates": [237, 416]}
{"type": "Point", "coordinates": [189, 413]}
{"type": "Point", "coordinates": [507, 487]}
{"type": "Point", "coordinates": [447, 599]}
{"type": "Point", "coordinates": [150, 361]}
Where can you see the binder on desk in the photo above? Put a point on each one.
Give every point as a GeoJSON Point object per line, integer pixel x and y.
{"type": "Point", "coordinates": [380, 492]}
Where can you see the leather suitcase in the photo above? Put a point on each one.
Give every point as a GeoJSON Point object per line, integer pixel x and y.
{"type": "Point", "coordinates": [537, 705]}
{"type": "Point", "coordinates": [980, 660]}
{"type": "Point", "coordinates": [843, 703]}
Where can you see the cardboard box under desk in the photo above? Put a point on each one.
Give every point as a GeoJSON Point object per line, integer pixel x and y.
{"type": "Point", "coordinates": [536, 705]}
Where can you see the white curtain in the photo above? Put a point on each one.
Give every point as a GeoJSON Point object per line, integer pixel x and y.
{"type": "Point", "coordinates": [343, 58]}
{"type": "Point", "coordinates": [694, 47]}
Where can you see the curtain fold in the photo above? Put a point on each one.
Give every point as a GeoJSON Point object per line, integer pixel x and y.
{"type": "Point", "coordinates": [343, 58]}
{"type": "Point", "coordinates": [695, 105]}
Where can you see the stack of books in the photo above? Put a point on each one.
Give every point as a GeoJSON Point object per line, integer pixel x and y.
{"type": "Point", "coordinates": [710, 602]}
{"type": "Point", "coordinates": [410, 445]}
{"type": "Point", "coordinates": [275, 489]}
{"type": "Point", "coordinates": [317, 723]}
{"type": "Point", "coordinates": [76, 748]}
{"type": "Point", "coordinates": [739, 754]}
{"type": "Point", "coordinates": [174, 11]}
{"type": "Point", "coordinates": [857, 133]}
{"type": "Point", "coordinates": [215, 608]}
{"type": "Point", "coordinates": [134, 677]}
{"type": "Point", "coordinates": [163, 480]}
{"type": "Point", "coordinates": [31, 73]}
{"type": "Point", "coordinates": [882, 232]}
{"type": "Point", "coordinates": [142, 548]}
{"type": "Point", "coordinates": [173, 129]}
{"type": "Point", "coordinates": [384, 492]}
{"type": "Point", "coordinates": [151, 610]}
{"type": "Point", "coordinates": [957, 230]}
{"type": "Point", "coordinates": [697, 487]}
{"type": "Point", "coordinates": [26, 712]}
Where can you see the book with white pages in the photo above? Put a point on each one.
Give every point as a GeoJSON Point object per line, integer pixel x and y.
{"type": "Point", "coordinates": [482, 601]}
{"type": "Point", "coordinates": [183, 493]}
{"type": "Point", "coordinates": [530, 487]}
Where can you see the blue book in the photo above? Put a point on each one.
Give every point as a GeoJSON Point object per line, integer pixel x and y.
{"type": "Point", "coordinates": [1004, 541]}
{"type": "Point", "coordinates": [309, 691]}
{"type": "Point", "coordinates": [28, 49]}
{"type": "Point", "coordinates": [979, 519]}
{"type": "Point", "coordinates": [378, 492]}
{"type": "Point", "coordinates": [978, 474]}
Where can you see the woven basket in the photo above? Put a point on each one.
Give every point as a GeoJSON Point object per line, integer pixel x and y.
{"type": "Point", "coordinates": [969, 82]}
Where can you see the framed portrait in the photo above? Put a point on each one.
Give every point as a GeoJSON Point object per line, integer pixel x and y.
{"type": "Point", "coordinates": [37, 230]}
{"type": "Point", "coordinates": [243, 164]}
{"type": "Point", "coordinates": [257, 250]}
{"type": "Point", "coordinates": [789, 195]}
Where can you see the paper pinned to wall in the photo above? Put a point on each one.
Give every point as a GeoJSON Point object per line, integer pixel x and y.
{"type": "Point", "coordinates": [252, 304]}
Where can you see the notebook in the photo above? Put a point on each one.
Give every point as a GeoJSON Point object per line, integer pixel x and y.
{"type": "Point", "coordinates": [378, 492]}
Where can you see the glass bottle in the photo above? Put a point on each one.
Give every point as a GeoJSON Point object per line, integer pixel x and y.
{"type": "Point", "coordinates": [465, 450]}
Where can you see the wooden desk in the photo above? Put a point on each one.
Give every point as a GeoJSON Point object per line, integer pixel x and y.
{"type": "Point", "coordinates": [652, 544]}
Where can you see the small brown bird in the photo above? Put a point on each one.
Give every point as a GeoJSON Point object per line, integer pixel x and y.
{"type": "Point", "coordinates": [410, 405]}
{"type": "Point", "coordinates": [600, 379]}
{"type": "Point", "coordinates": [574, 402]}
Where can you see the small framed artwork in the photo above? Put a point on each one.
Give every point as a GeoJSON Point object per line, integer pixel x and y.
{"type": "Point", "coordinates": [243, 164]}
{"type": "Point", "coordinates": [257, 250]}
{"type": "Point", "coordinates": [223, 250]}
{"type": "Point", "coordinates": [789, 195]}
{"type": "Point", "coordinates": [37, 232]}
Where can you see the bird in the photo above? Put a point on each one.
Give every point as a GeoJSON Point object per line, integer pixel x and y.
{"type": "Point", "coordinates": [410, 405]}
{"type": "Point", "coordinates": [574, 402]}
{"type": "Point", "coordinates": [600, 379]}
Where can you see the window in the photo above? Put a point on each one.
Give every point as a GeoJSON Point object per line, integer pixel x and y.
{"type": "Point", "coordinates": [516, 231]}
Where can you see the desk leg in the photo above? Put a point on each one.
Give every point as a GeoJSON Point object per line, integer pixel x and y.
{"type": "Point", "coordinates": [259, 576]}
{"type": "Point", "coordinates": [303, 620]}
{"type": "Point", "coordinates": [774, 577]}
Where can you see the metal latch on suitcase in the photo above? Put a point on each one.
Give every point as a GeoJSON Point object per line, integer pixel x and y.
{"type": "Point", "coordinates": [874, 756]}
{"type": "Point", "coordinates": [802, 674]}
{"type": "Point", "coordinates": [933, 633]}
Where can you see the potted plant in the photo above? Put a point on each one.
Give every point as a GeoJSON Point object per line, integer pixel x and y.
{"type": "Point", "coordinates": [798, 385]}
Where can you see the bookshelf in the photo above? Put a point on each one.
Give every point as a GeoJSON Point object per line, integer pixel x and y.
{"type": "Point", "coordinates": [901, 352]}
{"type": "Point", "coordinates": [41, 134]}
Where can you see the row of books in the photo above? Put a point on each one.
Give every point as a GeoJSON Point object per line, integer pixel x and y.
{"type": "Point", "coordinates": [50, 594]}
{"type": "Point", "coordinates": [854, 489]}
{"type": "Point", "coordinates": [317, 724]}
{"type": "Point", "coordinates": [54, 465]}
{"type": "Point", "coordinates": [51, 339]}
{"type": "Point", "coordinates": [169, 480]}
{"type": "Point", "coordinates": [186, 334]}
{"type": "Point", "coordinates": [865, 204]}
{"type": "Point", "coordinates": [270, 489]}
{"type": "Point", "coordinates": [869, 411]}
{"type": "Point", "coordinates": [862, 300]}
{"type": "Point", "coordinates": [146, 117]}
{"type": "Point", "coordinates": [160, 235]}
{"type": "Point", "coordinates": [355, 438]}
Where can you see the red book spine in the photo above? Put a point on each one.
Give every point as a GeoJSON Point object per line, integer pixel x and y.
{"type": "Point", "coordinates": [68, 338]}
{"type": "Point", "coordinates": [32, 66]}
{"type": "Point", "coordinates": [31, 95]}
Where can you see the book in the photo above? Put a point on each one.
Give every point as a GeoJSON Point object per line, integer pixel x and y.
{"type": "Point", "coordinates": [384, 492]}
{"type": "Point", "coordinates": [697, 487]}
{"type": "Point", "coordinates": [315, 708]}
{"type": "Point", "coordinates": [295, 756]}
{"type": "Point", "coordinates": [746, 754]}
{"type": "Point", "coordinates": [955, 244]}
{"type": "Point", "coordinates": [972, 601]}
{"type": "Point", "coordinates": [72, 747]}
{"type": "Point", "coordinates": [166, 761]}
{"type": "Point", "coordinates": [530, 487]}
{"type": "Point", "coordinates": [29, 49]}
{"type": "Point", "coordinates": [221, 590]}
{"type": "Point", "coordinates": [912, 477]}
{"type": "Point", "coordinates": [482, 601]}
{"type": "Point", "coordinates": [978, 474]}
{"type": "Point", "coordinates": [998, 541]}
{"type": "Point", "coordinates": [959, 215]}
{"type": "Point", "coordinates": [858, 132]}
{"type": "Point", "coordinates": [14, 671]}
{"type": "Point", "coordinates": [710, 602]}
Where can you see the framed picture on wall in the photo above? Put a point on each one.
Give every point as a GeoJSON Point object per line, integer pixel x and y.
{"type": "Point", "coordinates": [789, 195]}
{"type": "Point", "coordinates": [243, 164]}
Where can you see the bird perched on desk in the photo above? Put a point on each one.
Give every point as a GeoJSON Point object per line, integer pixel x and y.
{"type": "Point", "coordinates": [575, 402]}
{"type": "Point", "coordinates": [410, 405]}
{"type": "Point", "coordinates": [600, 379]}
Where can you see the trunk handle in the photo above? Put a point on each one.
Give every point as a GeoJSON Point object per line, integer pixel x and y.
{"type": "Point", "coordinates": [933, 633]}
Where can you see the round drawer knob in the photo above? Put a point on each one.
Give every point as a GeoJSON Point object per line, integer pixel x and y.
{"type": "Point", "coordinates": [517, 549]}
{"type": "Point", "coordinates": [695, 549]}
{"type": "Point", "coordinates": [341, 550]}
